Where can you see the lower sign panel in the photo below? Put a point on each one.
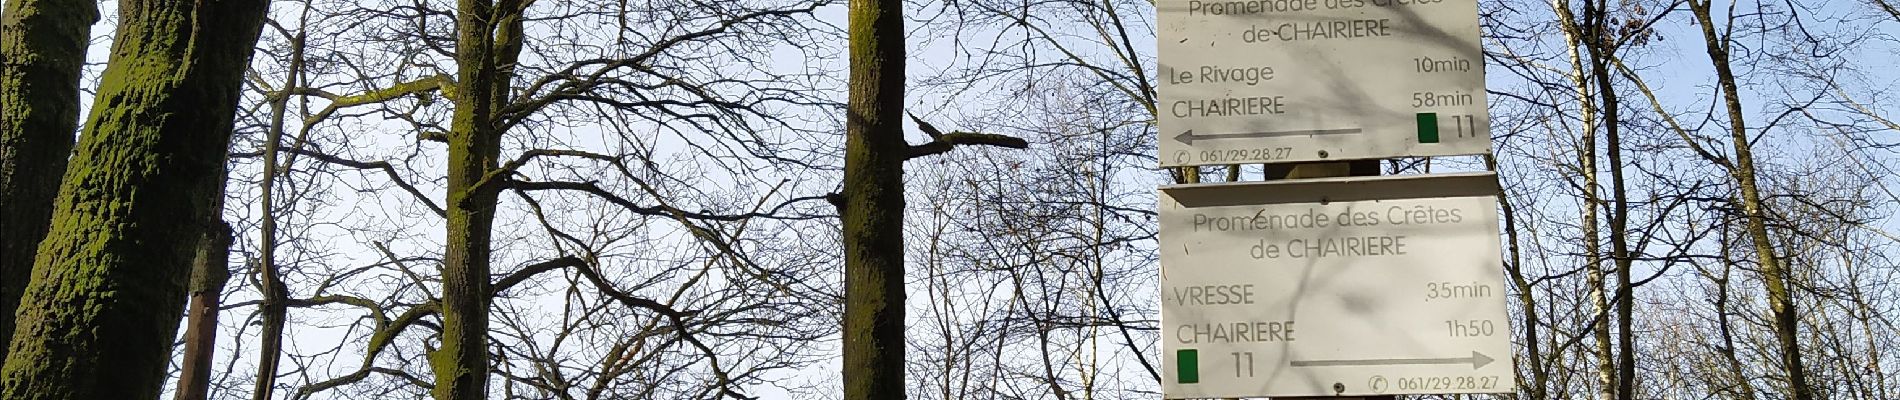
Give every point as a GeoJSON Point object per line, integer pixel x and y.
{"type": "Point", "coordinates": [1362, 286]}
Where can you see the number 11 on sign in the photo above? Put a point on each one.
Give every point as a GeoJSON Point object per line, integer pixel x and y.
{"type": "Point", "coordinates": [1239, 356]}
{"type": "Point", "coordinates": [1464, 126]}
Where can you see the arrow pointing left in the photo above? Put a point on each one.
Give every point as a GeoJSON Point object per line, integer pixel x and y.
{"type": "Point", "coordinates": [1189, 137]}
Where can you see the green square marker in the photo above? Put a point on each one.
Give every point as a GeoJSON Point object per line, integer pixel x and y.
{"type": "Point", "coordinates": [1428, 127]}
{"type": "Point", "coordinates": [1187, 366]}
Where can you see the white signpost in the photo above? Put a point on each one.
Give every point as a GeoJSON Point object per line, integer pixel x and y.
{"type": "Point", "coordinates": [1335, 286]}
{"type": "Point", "coordinates": [1267, 81]}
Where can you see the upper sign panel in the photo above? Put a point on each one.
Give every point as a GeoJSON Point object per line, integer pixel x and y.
{"type": "Point", "coordinates": [1270, 81]}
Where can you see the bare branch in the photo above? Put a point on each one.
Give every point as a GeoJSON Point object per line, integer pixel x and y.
{"type": "Point", "coordinates": [387, 169]}
{"type": "Point", "coordinates": [948, 141]}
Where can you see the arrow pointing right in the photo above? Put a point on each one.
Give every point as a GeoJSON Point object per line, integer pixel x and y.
{"type": "Point", "coordinates": [1189, 137]}
{"type": "Point", "coordinates": [1477, 360]}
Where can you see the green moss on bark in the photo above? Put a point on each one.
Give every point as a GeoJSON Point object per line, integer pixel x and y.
{"type": "Point", "coordinates": [873, 206]}
{"type": "Point", "coordinates": [489, 38]}
{"type": "Point", "coordinates": [100, 310]}
{"type": "Point", "coordinates": [41, 54]}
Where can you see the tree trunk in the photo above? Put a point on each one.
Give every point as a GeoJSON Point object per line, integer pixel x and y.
{"type": "Point", "coordinates": [1774, 273]}
{"type": "Point", "coordinates": [488, 41]}
{"type": "Point", "coordinates": [461, 364]}
{"type": "Point", "coordinates": [873, 204]}
{"type": "Point", "coordinates": [209, 272]}
{"type": "Point", "coordinates": [1574, 40]}
{"type": "Point", "coordinates": [110, 283]}
{"type": "Point", "coordinates": [1601, 51]}
{"type": "Point", "coordinates": [275, 295]}
{"type": "Point", "coordinates": [1540, 379]}
{"type": "Point", "coordinates": [1723, 324]}
{"type": "Point", "coordinates": [40, 57]}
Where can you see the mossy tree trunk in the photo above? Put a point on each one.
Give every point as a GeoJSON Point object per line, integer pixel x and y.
{"type": "Point", "coordinates": [41, 53]}
{"type": "Point", "coordinates": [1774, 273]}
{"type": "Point", "coordinates": [111, 277]}
{"type": "Point", "coordinates": [488, 41]}
{"type": "Point", "coordinates": [873, 203]}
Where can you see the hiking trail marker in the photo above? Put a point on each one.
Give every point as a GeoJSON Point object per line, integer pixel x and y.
{"type": "Point", "coordinates": [1271, 81]}
{"type": "Point", "coordinates": [1334, 287]}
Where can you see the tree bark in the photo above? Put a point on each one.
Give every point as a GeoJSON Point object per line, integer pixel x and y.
{"type": "Point", "coordinates": [275, 295]}
{"type": "Point", "coordinates": [1600, 45]}
{"type": "Point", "coordinates": [1774, 274]}
{"type": "Point", "coordinates": [209, 272]}
{"type": "Point", "coordinates": [1574, 40]}
{"type": "Point", "coordinates": [1723, 325]}
{"type": "Point", "coordinates": [110, 281]}
{"type": "Point", "coordinates": [873, 203]}
{"type": "Point", "coordinates": [488, 41]}
{"type": "Point", "coordinates": [41, 55]}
